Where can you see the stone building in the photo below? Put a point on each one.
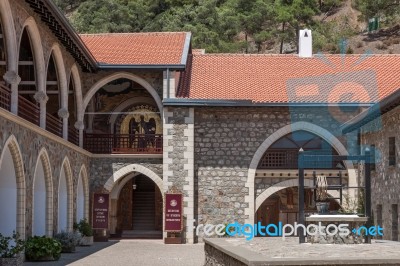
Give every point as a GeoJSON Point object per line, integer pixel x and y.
{"type": "Point", "coordinates": [139, 114]}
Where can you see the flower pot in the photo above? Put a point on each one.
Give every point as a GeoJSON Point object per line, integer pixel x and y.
{"type": "Point", "coordinates": [44, 258]}
{"type": "Point", "coordinates": [68, 249]}
{"type": "Point", "coordinates": [86, 241]}
{"type": "Point", "coordinates": [322, 207]}
{"type": "Point", "coordinates": [17, 261]}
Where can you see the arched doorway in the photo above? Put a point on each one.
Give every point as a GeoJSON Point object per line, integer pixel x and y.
{"type": "Point", "coordinates": [80, 200]}
{"type": "Point", "coordinates": [139, 208]}
{"type": "Point", "coordinates": [39, 201]}
{"type": "Point", "coordinates": [8, 194]}
{"type": "Point", "coordinates": [277, 169]}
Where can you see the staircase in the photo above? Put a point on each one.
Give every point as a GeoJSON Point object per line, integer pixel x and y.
{"type": "Point", "coordinates": [143, 212]}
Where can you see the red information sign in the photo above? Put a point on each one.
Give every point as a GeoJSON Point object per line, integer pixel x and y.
{"type": "Point", "coordinates": [100, 211]}
{"type": "Point", "coordinates": [173, 212]}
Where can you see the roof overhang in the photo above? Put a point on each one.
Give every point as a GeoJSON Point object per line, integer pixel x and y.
{"type": "Point", "coordinates": [249, 103]}
{"type": "Point", "coordinates": [59, 25]}
{"type": "Point", "coordinates": [153, 67]}
{"type": "Point", "coordinates": [378, 109]}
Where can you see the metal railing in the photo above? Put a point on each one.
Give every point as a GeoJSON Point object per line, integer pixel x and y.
{"type": "Point", "coordinates": [73, 135]}
{"type": "Point", "coordinates": [28, 110]}
{"type": "Point", "coordinates": [123, 143]}
{"type": "Point", "coordinates": [54, 125]}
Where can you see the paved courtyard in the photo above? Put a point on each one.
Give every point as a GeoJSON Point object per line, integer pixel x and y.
{"type": "Point", "coordinates": [132, 252]}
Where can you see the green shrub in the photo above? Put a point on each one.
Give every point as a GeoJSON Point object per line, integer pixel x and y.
{"type": "Point", "coordinates": [41, 247]}
{"type": "Point", "coordinates": [68, 240]}
{"type": "Point", "coordinates": [11, 246]}
{"type": "Point", "coordinates": [84, 228]}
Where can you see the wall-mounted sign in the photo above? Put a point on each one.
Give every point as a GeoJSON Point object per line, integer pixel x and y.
{"type": "Point", "coordinates": [173, 212]}
{"type": "Point", "coordinates": [100, 210]}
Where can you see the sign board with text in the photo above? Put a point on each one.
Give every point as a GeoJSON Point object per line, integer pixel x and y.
{"type": "Point", "coordinates": [173, 212]}
{"type": "Point", "coordinates": [100, 210]}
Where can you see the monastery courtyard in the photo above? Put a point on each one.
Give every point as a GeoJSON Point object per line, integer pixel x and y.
{"type": "Point", "coordinates": [275, 250]}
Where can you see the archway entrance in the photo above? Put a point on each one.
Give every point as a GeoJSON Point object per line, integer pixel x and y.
{"type": "Point", "coordinates": [139, 209]}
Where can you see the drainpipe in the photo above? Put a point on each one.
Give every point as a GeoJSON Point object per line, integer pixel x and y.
{"type": "Point", "coordinates": [168, 86]}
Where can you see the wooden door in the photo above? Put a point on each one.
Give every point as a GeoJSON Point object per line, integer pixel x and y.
{"type": "Point", "coordinates": [124, 215]}
{"type": "Point", "coordinates": [158, 208]}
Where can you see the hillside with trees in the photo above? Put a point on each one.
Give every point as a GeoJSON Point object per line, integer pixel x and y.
{"type": "Point", "coordinates": [247, 26]}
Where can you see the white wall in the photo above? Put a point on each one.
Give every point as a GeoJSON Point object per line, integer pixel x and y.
{"type": "Point", "coordinates": [39, 196]}
{"type": "Point", "coordinates": [8, 195]}
{"type": "Point", "coordinates": [62, 203]}
{"type": "Point", "coordinates": [80, 201]}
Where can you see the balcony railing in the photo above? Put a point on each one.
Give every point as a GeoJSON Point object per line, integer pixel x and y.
{"type": "Point", "coordinates": [123, 143]}
{"type": "Point", "coordinates": [28, 110]}
{"type": "Point", "coordinates": [73, 135]}
{"type": "Point", "coordinates": [54, 125]}
{"type": "Point", "coordinates": [5, 97]}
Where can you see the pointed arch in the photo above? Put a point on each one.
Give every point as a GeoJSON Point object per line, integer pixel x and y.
{"type": "Point", "coordinates": [44, 159]}
{"type": "Point", "coordinates": [12, 145]}
{"type": "Point", "coordinates": [120, 75]}
{"type": "Point", "coordinates": [61, 74]}
{"type": "Point", "coordinates": [78, 90]}
{"type": "Point", "coordinates": [10, 35]}
{"type": "Point", "coordinates": [111, 182]}
{"type": "Point", "coordinates": [37, 50]}
{"type": "Point", "coordinates": [83, 177]}
{"type": "Point", "coordinates": [65, 172]}
{"type": "Point", "coordinates": [297, 126]}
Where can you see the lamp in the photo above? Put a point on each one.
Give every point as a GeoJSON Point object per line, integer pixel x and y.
{"type": "Point", "coordinates": [134, 186]}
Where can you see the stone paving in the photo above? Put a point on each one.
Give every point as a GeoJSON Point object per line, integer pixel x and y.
{"type": "Point", "coordinates": [132, 252]}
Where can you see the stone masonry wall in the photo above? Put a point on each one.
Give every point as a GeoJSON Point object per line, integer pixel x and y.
{"type": "Point", "coordinates": [226, 140]}
{"type": "Point", "coordinates": [385, 180]}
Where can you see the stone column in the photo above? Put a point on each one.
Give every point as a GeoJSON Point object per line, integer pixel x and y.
{"type": "Point", "coordinates": [64, 114]}
{"type": "Point", "coordinates": [178, 160]}
{"type": "Point", "coordinates": [12, 78]}
{"type": "Point", "coordinates": [80, 126]}
{"type": "Point", "coordinates": [42, 98]}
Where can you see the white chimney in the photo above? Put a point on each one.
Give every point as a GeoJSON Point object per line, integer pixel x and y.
{"type": "Point", "coordinates": [305, 43]}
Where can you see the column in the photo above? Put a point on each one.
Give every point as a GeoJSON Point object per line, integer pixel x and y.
{"type": "Point", "coordinates": [80, 126]}
{"type": "Point", "coordinates": [64, 114]}
{"type": "Point", "coordinates": [12, 78]}
{"type": "Point", "coordinates": [42, 98]}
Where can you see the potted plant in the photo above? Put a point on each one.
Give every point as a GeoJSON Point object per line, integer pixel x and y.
{"type": "Point", "coordinates": [68, 240]}
{"type": "Point", "coordinates": [42, 248]}
{"type": "Point", "coordinates": [322, 197]}
{"type": "Point", "coordinates": [11, 248]}
{"type": "Point", "coordinates": [86, 231]}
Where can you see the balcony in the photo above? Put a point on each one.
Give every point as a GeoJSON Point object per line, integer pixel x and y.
{"type": "Point", "coordinates": [123, 143]}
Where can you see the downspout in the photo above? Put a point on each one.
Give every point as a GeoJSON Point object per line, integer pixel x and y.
{"type": "Point", "coordinates": [168, 86]}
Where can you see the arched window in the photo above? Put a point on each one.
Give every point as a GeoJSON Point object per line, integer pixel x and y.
{"type": "Point", "coordinates": [73, 135]}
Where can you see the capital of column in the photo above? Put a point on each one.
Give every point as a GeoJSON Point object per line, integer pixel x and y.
{"type": "Point", "coordinates": [12, 78]}
{"type": "Point", "coordinates": [41, 97]}
{"type": "Point", "coordinates": [79, 125]}
{"type": "Point", "coordinates": [63, 113]}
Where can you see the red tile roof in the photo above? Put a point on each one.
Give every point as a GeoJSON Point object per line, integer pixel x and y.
{"type": "Point", "coordinates": [288, 78]}
{"type": "Point", "coordinates": [152, 48]}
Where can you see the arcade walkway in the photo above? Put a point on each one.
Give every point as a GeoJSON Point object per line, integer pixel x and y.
{"type": "Point", "coordinates": [132, 252]}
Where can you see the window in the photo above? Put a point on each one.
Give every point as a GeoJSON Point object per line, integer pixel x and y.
{"type": "Point", "coordinates": [392, 151]}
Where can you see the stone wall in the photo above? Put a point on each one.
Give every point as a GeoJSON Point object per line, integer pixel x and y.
{"type": "Point", "coordinates": [215, 257]}
{"type": "Point", "coordinates": [30, 144]}
{"type": "Point", "coordinates": [385, 180]}
{"type": "Point", "coordinates": [226, 140]}
{"type": "Point", "coordinates": [101, 169]}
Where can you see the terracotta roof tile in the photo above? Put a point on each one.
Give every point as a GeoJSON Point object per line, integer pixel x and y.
{"type": "Point", "coordinates": [288, 78]}
{"type": "Point", "coordinates": [153, 48]}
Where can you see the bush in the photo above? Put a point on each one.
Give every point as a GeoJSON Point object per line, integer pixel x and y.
{"type": "Point", "coordinates": [41, 248]}
{"type": "Point", "coordinates": [11, 246]}
{"type": "Point", "coordinates": [68, 240]}
{"type": "Point", "coordinates": [84, 228]}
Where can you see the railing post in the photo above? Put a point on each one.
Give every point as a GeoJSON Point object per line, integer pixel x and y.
{"type": "Point", "coordinates": [302, 238]}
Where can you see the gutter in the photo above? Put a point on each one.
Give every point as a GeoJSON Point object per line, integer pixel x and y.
{"type": "Point", "coordinates": [385, 105]}
{"type": "Point", "coordinates": [155, 67]}
{"type": "Point", "coordinates": [250, 103]}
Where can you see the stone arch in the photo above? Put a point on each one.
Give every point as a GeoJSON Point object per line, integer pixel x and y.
{"type": "Point", "coordinates": [118, 187]}
{"type": "Point", "coordinates": [78, 90]}
{"type": "Point", "coordinates": [43, 157]}
{"type": "Point", "coordinates": [10, 35]}
{"type": "Point", "coordinates": [37, 50]}
{"type": "Point", "coordinates": [123, 106]}
{"type": "Point", "coordinates": [66, 167]}
{"type": "Point", "coordinates": [306, 126]}
{"type": "Point", "coordinates": [85, 183]}
{"type": "Point", "coordinates": [119, 75]}
{"type": "Point", "coordinates": [133, 168]}
{"type": "Point", "coordinates": [16, 155]}
{"type": "Point", "coordinates": [282, 185]}
{"type": "Point", "coordinates": [62, 76]}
